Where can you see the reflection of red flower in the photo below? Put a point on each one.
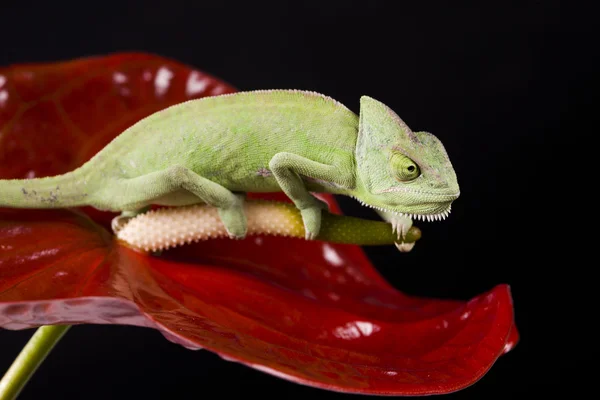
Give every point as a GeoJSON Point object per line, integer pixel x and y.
{"type": "Point", "coordinates": [311, 312]}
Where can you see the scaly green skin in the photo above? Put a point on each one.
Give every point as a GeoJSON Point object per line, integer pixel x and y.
{"type": "Point", "coordinates": [214, 149]}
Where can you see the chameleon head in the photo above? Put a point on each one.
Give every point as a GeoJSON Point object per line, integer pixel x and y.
{"type": "Point", "coordinates": [399, 170]}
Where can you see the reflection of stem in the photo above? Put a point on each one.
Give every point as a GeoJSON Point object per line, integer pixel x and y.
{"type": "Point", "coordinates": [30, 358]}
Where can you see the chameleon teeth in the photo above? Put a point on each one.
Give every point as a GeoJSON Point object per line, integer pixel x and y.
{"type": "Point", "coordinates": [421, 217]}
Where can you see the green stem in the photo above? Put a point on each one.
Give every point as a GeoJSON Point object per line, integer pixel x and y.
{"type": "Point", "coordinates": [30, 358]}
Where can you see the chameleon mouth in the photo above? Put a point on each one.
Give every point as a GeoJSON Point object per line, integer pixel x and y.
{"type": "Point", "coordinates": [439, 216]}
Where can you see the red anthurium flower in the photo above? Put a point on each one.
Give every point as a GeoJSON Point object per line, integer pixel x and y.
{"type": "Point", "coordinates": [312, 312]}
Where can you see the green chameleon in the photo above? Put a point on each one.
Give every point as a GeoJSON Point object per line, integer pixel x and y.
{"type": "Point", "coordinates": [213, 150]}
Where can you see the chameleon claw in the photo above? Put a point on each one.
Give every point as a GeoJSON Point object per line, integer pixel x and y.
{"type": "Point", "coordinates": [405, 247]}
{"type": "Point", "coordinates": [400, 225]}
{"type": "Point", "coordinates": [121, 220]}
{"type": "Point", "coordinates": [235, 237]}
{"type": "Point", "coordinates": [309, 236]}
{"type": "Point", "coordinates": [118, 222]}
{"type": "Point", "coordinates": [312, 222]}
{"type": "Point", "coordinates": [238, 234]}
{"type": "Point", "coordinates": [234, 218]}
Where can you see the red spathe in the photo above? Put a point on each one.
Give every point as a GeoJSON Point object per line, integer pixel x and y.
{"type": "Point", "coordinates": [311, 312]}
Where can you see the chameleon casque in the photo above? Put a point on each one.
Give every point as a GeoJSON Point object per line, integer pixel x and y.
{"type": "Point", "coordinates": [213, 150]}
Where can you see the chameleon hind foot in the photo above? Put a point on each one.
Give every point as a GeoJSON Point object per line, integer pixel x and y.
{"type": "Point", "coordinates": [234, 218]}
{"type": "Point", "coordinates": [120, 221]}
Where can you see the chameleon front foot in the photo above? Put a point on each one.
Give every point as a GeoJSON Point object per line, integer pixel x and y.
{"type": "Point", "coordinates": [312, 222]}
{"type": "Point", "coordinates": [400, 225]}
{"type": "Point", "coordinates": [311, 217]}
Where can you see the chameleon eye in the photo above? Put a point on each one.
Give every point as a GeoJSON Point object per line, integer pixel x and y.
{"type": "Point", "coordinates": [403, 168]}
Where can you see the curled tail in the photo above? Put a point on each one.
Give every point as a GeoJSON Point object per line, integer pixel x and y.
{"type": "Point", "coordinates": [61, 191]}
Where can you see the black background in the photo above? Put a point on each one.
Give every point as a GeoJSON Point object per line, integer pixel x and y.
{"type": "Point", "coordinates": [506, 87]}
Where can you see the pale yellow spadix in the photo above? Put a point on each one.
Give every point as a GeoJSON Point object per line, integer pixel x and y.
{"type": "Point", "coordinates": [171, 227]}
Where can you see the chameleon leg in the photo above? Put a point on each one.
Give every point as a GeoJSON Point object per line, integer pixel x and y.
{"type": "Point", "coordinates": [158, 184]}
{"type": "Point", "coordinates": [288, 168]}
